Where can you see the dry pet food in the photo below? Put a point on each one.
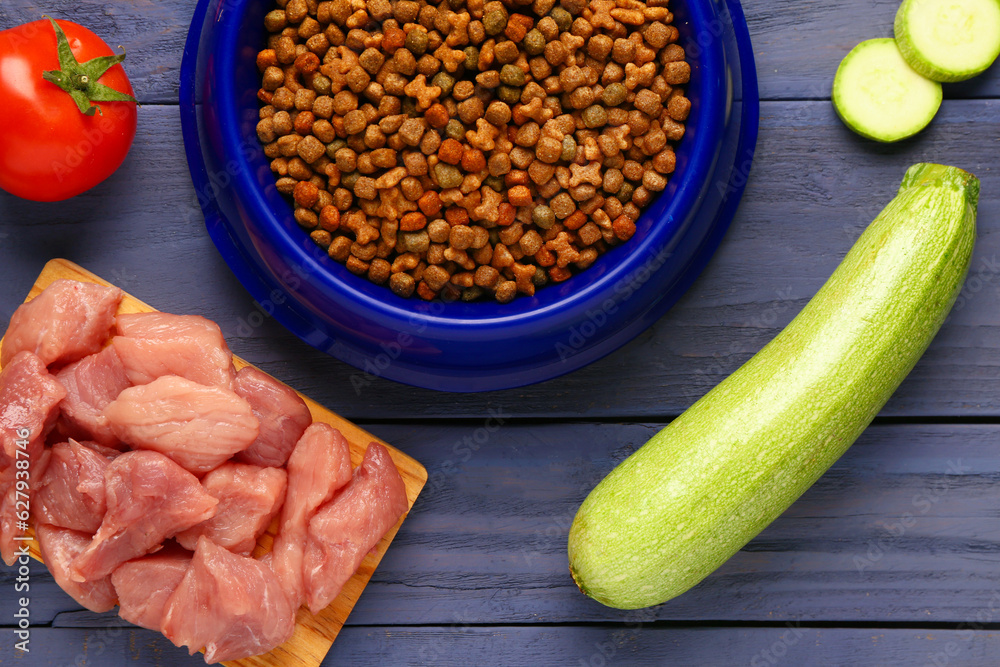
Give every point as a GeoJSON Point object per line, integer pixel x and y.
{"type": "Point", "coordinates": [468, 150]}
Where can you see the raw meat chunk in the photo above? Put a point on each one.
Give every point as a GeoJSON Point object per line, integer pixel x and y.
{"type": "Point", "coordinates": [249, 499]}
{"type": "Point", "coordinates": [66, 322]}
{"type": "Point", "coordinates": [152, 345]}
{"type": "Point", "coordinates": [319, 465]}
{"type": "Point", "coordinates": [71, 493]}
{"type": "Point", "coordinates": [14, 491]}
{"type": "Point", "coordinates": [91, 384]}
{"type": "Point", "coordinates": [231, 605]}
{"type": "Point", "coordinates": [197, 426]}
{"type": "Point", "coordinates": [283, 417]}
{"type": "Point", "coordinates": [29, 401]}
{"type": "Point", "coordinates": [59, 546]}
{"type": "Point", "coordinates": [350, 525]}
{"type": "Point", "coordinates": [150, 498]}
{"type": "Point", "coordinates": [144, 585]}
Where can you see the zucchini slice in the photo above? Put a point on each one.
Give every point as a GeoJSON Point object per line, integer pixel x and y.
{"type": "Point", "coordinates": [879, 96]}
{"type": "Point", "coordinates": [949, 40]}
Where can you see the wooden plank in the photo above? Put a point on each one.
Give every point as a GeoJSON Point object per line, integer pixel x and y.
{"type": "Point", "coordinates": [904, 529]}
{"type": "Point", "coordinates": [797, 45]}
{"type": "Point", "coordinates": [314, 634]}
{"type": "Point", "coordinates": [152, 32]}
{"type": "Point", "coordinates": [586, 646]}
{"type": "Point", "coordinates": [814, 187]}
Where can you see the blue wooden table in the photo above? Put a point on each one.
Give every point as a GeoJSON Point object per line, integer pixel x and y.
{"type": "Point", "coordinates": [892, 558]}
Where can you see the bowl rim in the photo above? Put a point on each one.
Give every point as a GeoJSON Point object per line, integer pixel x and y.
{"type": "Point", "coordinates": [461, 322]}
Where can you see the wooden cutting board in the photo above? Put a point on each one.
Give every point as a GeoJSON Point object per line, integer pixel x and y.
{"type": "Point", "coordinates": [314, 635]}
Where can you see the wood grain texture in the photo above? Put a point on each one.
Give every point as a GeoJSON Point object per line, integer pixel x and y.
{"type": "Point", "coordinates": [313, 635]}
{"type": "Point", "coordinates": [589, 646]}
{"type": "Point", "coordinates": [904, 529]}
{"type": "Point", "coordinates": [478, 574]}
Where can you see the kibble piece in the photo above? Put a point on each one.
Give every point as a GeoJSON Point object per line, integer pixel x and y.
{"type": "Point", "coordinates": [450, 151]}
{"type": "Point", "coordinates": [306, 194]}
{"type": "Point", "coordinates": [614, 94]}
{"type": "Point", "coordinates": [461, 237]}
{"type": "Point", "coordinates": [595, 116]}
{"type": "Point", "coordinates": [436, 277]}
{"type": "Point", "coordinates": [534, 42]}
{"type": "Point", "coordinates": [454, 129]}
{"type": "Point", "coordinates": [470, 110]}
{"type": "Point", "coordinates": [623, 51]}
{"type": "Point", "coordinates": [519, 195]}
{"type": "Point", "coordinates": [306, 218]}
{"type": "Point", "coordinates": [677, 73]}
{"type": "Point", "coordinates": [543, 216]}
{"type": "Point", "coordinates": [548, 150]}
{"type": "Point", "coordinates": [672, 53]}
{"type": "Point", "coordinates": [506, 291]}
{"type": "Point", "coordinates": [358, 79]}
{"type": "Point", "coordinates": [624, 227]}
{"type": "Point", "coordinates": [486, 277]}
{"type": "Point", "coordinates": [568, 148]}
{"type": "Point", "coordinates": [665, 161]}
{"type": "Point", "coordinates": [416, 42]}
{"type": "Point", "coordinates": [648, 102]}
{"type": "Point", "coordinates": [265, 131]}
{"type": "Point", "coordinates": [364, 188]}
{"type": "Point", "coordinates": [402, 284]}
{"type": "Point", "coordinates": [512, 75]}
{"type": "Point", "coordinates": [439, 231]}
{"type": "Point", "coordinates": [355, 122]}
{"type": "Point", "coordinates": [499, 164]}
{"type": "Point", "coordinates": [494, 21]}
{"type": "Point", "coordinates": [411, 131]}
{"type": "Point", "coordinates": [447, 176]}
{"type": "Point", "coordinates": [679, 108]}
{"type": "Point", "coordinates": [379, 271]}
{"type": "Point", "coordinates": [653, 181]}
{"type": "Point", "coordinates": [310, 149]}
{"type": "Point", "coordinates": [372, 60]}
{"type": "Point", "coordinates": [412, 222]}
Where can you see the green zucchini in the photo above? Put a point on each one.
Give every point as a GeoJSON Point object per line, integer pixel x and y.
{"type": "Point", "coordinates": [704, 486]}
{"type": "Point", "coordinates": [949, 40]}
{"type": "Point", "coordinates": [879, 96]}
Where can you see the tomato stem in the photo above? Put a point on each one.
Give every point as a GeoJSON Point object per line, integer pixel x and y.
{"type": "Point", "coordinates": [80, 80]}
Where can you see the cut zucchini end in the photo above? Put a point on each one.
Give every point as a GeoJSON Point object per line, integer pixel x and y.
{"type": "Point", "coordinates": [928, 174]}
{"type": "Point", "coordinates": [879, 96]}
{"type": "Point", "coordinates": [949, 40]}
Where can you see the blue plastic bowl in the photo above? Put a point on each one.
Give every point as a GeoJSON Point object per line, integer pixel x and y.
{"type": "Point", "coordinates": [459, 346]}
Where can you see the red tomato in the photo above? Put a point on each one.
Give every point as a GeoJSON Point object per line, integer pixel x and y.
{"type": "Point", "coordinates": [49, 149]}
